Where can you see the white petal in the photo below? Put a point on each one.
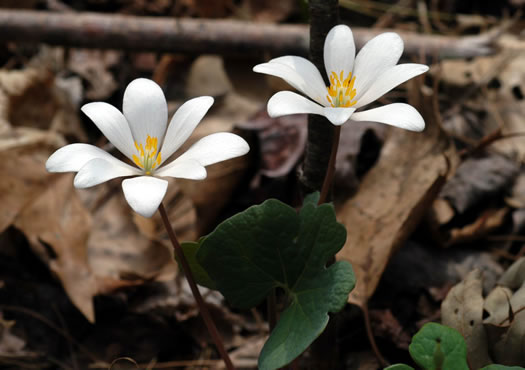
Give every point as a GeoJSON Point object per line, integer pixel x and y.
{"type": "Point", "coordinates": [98, 170]}
{"type": "Point", "coordinates": [185, 169]}
{"type": "Point", "coordinates": [339, 50]}
{"type": "Point", "coordinates": [145, 109]}
{"type": "Point", "coordinates": [389, 79]}
{"type": "Point", "coordinates": [396, 114]}
{"type": "Point", "coordinates": [378, 55]}
{"type": "Point", "coordinates": [287, 102]}
{"type": "Point", "coordinates": [212, 149]}
{"type": "Point", "coordinates": [183, 123]}
{"type": "Point", "coordinates": [298, 72]}
{"type": "Point", "coordinates": [338, 116]}
{"type": "Point", "coordinates": [113, 125]}
{"type": "Point", "coordinates": [144, 194]}
{"type": "Point", "coordinates": [71, 158]}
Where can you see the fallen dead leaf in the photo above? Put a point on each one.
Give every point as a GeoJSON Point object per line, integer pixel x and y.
{"type": "Point", "coordinates": [208, 77]}
{"type": "Point", "coordinates": [391, 200]}
{"type": "Point", "coordinates": [57, 226]}
{"type": "Point", "coordinates": [10, 344]}
{"type": "Point", "coordinates": [463, 310]}
{"type": "Point", "coordinates": [478, 179]}
{"type": "Point", "coordinates": [500, 335]}
{"type": "Point", "coordinates": [94, 67]}
{"type": "Point", "coordinates": [488, 221]}
{"type": "Point", "coordinates": [281, 141]}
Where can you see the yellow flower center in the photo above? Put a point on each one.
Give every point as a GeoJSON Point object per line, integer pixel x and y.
{"type": "Point", "coordinates": [148, 158]}
{"type": "Point", "coordinates": [341, 90]}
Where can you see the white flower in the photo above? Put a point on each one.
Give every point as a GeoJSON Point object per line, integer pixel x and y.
{"type": "Point", "coordinates": [141, 134]}
{"type": "Point", "coordinates": [355, 81]}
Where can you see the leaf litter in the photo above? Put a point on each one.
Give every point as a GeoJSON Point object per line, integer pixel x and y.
{"type": "Point", "coordinates": [422, 211]}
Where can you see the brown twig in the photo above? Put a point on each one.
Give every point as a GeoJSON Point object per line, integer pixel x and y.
{"type": "Point", "coordinates": [212, 329]}
{"type": "Point", "coordinates": [195, 36]}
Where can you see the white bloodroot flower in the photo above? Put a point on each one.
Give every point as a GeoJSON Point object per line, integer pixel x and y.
{"type": "Point", "coordinates": [355, 81]}
{"type": "Point", "coordinates": [141, 134]}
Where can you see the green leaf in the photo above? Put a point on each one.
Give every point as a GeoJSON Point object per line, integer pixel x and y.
{"type": "Point", "coordinates": [199, 274]}
{"type": "Point", "coordinates": [399, 367]}
{"type": "Point", "coordinates": [312, 199]}
{"type": "Point", "coordinates": [272, 246]}
{"type": "Point", "coordinates": [437, 347]}
{"type": "Point", "coordinates": [501, 367]}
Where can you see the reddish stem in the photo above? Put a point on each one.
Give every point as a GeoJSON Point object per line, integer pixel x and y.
{"type": "Point", "coordinates": [329, 177]}
{"type": "Point", "coordinates": [212, 329]}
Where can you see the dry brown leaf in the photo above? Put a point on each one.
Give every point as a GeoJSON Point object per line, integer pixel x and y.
{"type": "Point", "coordinates": [22, 156]}
{"type": "Point", "coordinates": [463, 310]}
{"type": "Point", "coordinates": [35, 98]}
{"type": "Point", "coordinates": [57, 226]}
{"type": "Point", "coordinates": [496, 85]}
{"type": "Point", "coordinates": [391, 200]}
{"type": "Point", "coordinates": [507, 332]}
{"type": "Point", "coordinates": [515, 275]}
{"type": "Point", "coordinates": [13, 85]}
{"type": "Point", "coordinates": [478, 179]}
{"type": "Point", "coordinates": [281, 141]}
{"type": "Point", "coordinates": [488, 221]}
{"type": "Point", "coordinates": [497, 307]}
{"type": "Point", "coordinates": [509, 349]}
{"type": "Point", "coordinates": [119, 254]}
{"type": "Point", "coordinates": [10, 344]}
{"type": "Point", "coordinates": [93, 66]}
{"type": "Point", "coordinates": [501, 335]}
{"type": "Point", "coordinates": [208, 77]}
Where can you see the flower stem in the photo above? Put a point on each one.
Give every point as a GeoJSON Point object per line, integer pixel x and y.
{"type": "Point", "coordinates": [212, 329]}
{"type": "Point", "coordinates": [328, 179]}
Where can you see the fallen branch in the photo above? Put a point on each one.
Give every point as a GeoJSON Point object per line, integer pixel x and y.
{"type": "Point", "coordinates": [197, 36]}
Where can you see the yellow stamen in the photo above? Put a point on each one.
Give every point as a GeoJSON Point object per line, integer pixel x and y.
{"type": "Point", "coordinates": [148, 156]}
{"type": "Point", "coordinates": [341, 92]}
{"type": "Point", "coordinates": [137, 161]}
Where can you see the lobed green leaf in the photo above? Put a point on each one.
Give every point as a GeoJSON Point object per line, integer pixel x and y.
{"type": "Point", "coordinates": [272, 246]}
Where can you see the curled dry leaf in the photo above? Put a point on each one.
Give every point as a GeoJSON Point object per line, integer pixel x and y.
{"type": "Point", "coordinates": [463, 310]}
{"type": "Point", "coordinates": [476, 180]}
{"type": "Point", "coordinates": [504, 308]}
{"type": "Point", "coordinates": [488, 221]}
{"type": "Point", "coordinates": [281, 141]}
